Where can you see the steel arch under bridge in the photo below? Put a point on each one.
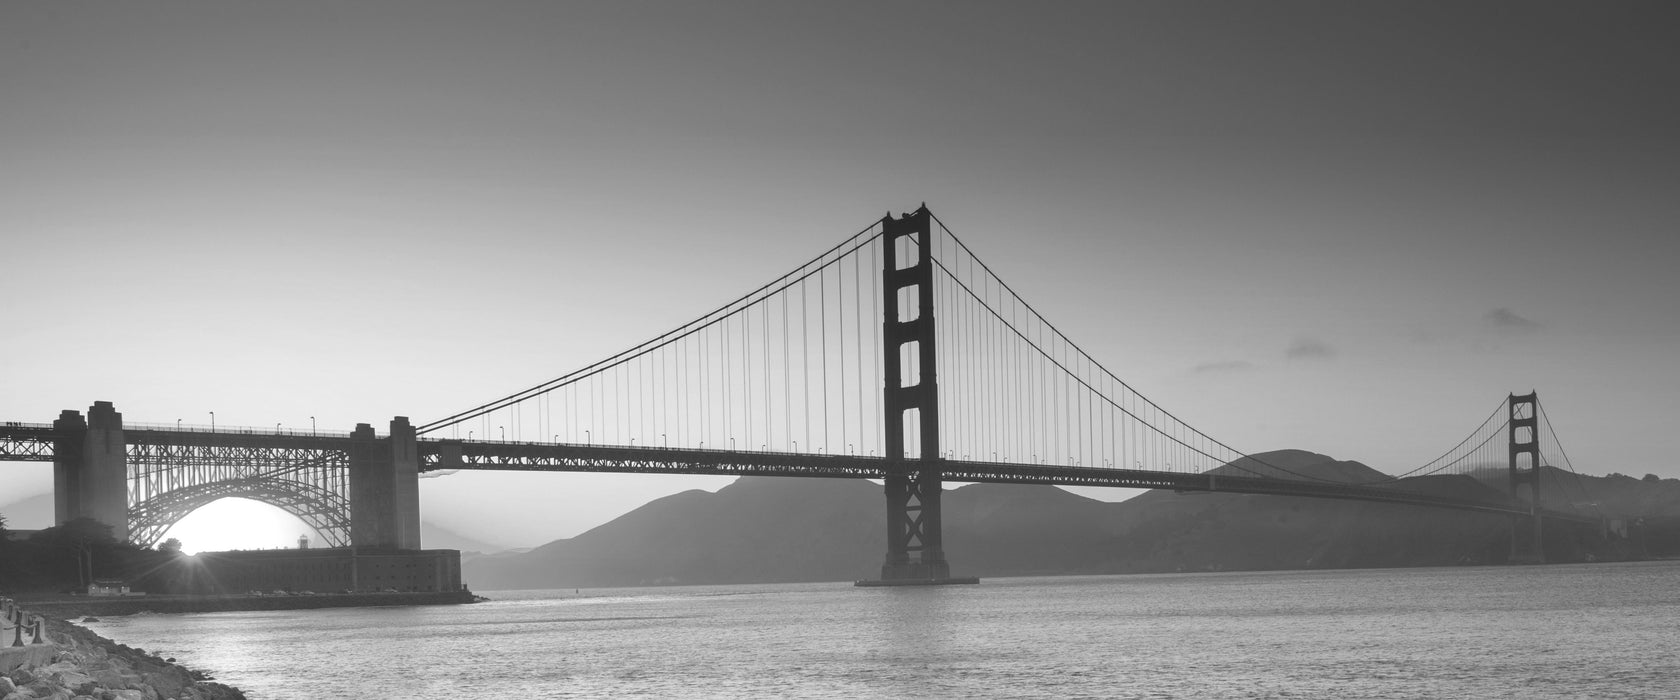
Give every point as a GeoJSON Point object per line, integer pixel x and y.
{"type": "Point", "coordinates": [171, 474]}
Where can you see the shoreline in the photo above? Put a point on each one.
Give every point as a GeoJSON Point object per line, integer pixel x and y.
{"type": "Point", "coordinates": [83, 663]}
{"type": "Point", "coordinates": [81, 606]}
{"type": "Point", "coordinates": [80, 662]}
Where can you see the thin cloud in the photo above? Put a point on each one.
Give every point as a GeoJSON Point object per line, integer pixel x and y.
{"type": "Point", "coordinates": [438, 473]}
{"type": "Point", "coordinates": [1506, 320]}
{"type": "Point", "coordinates": [1225, 366]}
{"type": "Point", "coordinates": [1305, 348]}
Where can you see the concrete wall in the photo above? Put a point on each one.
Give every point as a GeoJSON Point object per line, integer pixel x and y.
{"type": "Point", "coordinates": [325, 571]}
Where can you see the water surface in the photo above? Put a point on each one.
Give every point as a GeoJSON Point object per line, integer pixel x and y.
{"type": "Point", "coordinates": [1568, 631]}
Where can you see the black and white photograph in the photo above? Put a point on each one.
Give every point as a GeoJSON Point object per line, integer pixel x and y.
{"type": "Point", "coordinates": [810, 349]}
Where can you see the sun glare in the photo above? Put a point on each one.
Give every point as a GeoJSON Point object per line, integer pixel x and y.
{"type": "Point", "coordinates": [238, 523]}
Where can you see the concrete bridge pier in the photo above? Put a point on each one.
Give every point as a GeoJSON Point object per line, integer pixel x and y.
{"type": "Point", "coordinates": [385, 487]}
{"type": "Point", "coordinates": [90, 468]}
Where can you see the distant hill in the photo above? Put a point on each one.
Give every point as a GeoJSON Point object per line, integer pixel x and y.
{"type": "Point", "coordinates": [436, 537]}
{"type": "Point", "coordinates": [32, 513]}
{"type": "Point", "coordinates": [762, 529]}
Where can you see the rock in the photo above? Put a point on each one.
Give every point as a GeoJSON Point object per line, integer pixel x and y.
{"type": "Point", "coordinates": [74, 680]}
{"type": "Point", "coordinates": [7, 687]}
{"type": "Point", "coordinates": [112, 679]}
{"type": "Point", "coordinates": [167, 685]}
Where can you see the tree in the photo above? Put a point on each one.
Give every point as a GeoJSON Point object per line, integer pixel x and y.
{"type": "Point", "coordinates": [79, 538]}
{"type": "Point", "coordinates": [170, 546]}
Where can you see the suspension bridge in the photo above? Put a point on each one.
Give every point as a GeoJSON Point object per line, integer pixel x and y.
{"type": "Point", "coordinates": [896, 355]}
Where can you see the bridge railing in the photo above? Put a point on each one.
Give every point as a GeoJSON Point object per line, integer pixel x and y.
{"type": "Point", "coordinates": [22, 623]}
{"type": "Point", "coordinates": [240, 430]}
{"type": "Point", "coordinates": [725, 448]}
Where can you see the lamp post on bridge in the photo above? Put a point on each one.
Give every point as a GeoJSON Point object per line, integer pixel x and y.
{"type": "Point", "coordinates": [312, 426]}
{"type": "Point", "coordinates": [177, 424]}
{"type": "Point", "coordinates": [212, 421]}
{"type": "Point", "coordinates": [503, 428]}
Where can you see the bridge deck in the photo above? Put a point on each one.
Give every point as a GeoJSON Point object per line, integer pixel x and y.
{"type": "Point", "coordinates": [35, 442]}
{"type": "Point", "coordinates": [515, 456]}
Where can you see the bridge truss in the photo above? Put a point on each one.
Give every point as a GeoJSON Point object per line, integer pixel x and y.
{"type": "Point", "coordinates": [172, 474]}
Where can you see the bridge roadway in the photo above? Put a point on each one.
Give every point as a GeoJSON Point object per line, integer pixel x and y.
{"type": "Point", "coordinates": [34, 443]}
{"type": "Point", "coordinates": [564, 457]}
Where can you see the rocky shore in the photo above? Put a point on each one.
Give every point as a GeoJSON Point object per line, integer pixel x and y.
{"type": "Point", "coordinates": [76, 607]}
{"type": "Point", "coordinates": [86, 666]}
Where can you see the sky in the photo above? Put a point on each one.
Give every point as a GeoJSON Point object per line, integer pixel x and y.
{"type": "Point", "coordinates": [1351, 228]}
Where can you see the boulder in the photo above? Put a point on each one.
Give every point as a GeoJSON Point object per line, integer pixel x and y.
{"type": "Point", "coordinates": [167, 685]}
{"type": "Point", "coordinates": [113, 679]}
{"type": "Point", "coordinates": [73, 680]}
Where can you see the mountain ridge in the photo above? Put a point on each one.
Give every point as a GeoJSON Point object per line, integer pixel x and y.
{"type": "Point", "coordinates": [767, 529]}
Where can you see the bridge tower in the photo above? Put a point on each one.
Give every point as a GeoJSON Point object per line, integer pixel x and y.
{"type": "Point", "coordinates": [90, 468]}
{"type": "Point", "coordinates": [910, 398]}
{"type": "Point", "coordinates": [1524, 471]}
{"type": "Point", "coordinates": [385, 487]}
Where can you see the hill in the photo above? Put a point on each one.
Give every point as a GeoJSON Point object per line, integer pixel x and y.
{"type": "Point", "coordinates": [774, 530]}
{"type": "Point", "coordinates": [762, 529]}
{"type": "Point", "coordinates": [32, 513]}
{"type": "Point", "coordinates": [435, 537]}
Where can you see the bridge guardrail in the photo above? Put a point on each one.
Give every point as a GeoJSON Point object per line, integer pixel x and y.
{"type": "Point", "coordinates": [241, 430]}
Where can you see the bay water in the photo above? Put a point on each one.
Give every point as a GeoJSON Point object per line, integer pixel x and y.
{"type": "Point", "coordinates": [1564, 631]}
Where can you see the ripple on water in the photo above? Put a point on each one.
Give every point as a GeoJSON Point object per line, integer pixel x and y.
{"type": "Point", "coordinates": [1604, 631]}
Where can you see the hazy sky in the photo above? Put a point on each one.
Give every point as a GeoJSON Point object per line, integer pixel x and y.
{"type": "Point", "coordinates": [1350, 228]}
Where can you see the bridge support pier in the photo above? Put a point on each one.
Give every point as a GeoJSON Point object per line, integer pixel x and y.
{"type": "Point", "coordinates": [1526, 544]}
{"type": "Point", "coordinates": [385, 488]}
{"type": "Point", "coordinates": [915, 543]}
{"type": "Point", "coordinates": [90, 468]}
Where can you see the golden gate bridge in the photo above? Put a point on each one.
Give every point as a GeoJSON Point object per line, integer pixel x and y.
{"type": "Point", "coordinates": [896, 355]}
